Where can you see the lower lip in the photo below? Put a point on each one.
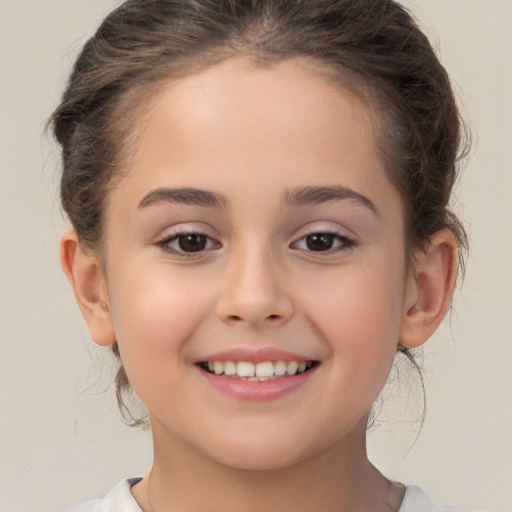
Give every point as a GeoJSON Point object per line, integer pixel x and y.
{"type": "Point", "coordinates": [257, 391]}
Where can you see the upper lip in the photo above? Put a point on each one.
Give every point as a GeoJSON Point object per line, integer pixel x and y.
{"type": "Point", "coordinates": [255, 355]}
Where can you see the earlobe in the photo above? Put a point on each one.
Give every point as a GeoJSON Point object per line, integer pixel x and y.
{"type": "Point", "coordinates": [429, 289]}
{"type": "Point", "coordinates": [88, 282]}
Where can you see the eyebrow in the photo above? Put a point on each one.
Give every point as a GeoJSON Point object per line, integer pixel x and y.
{"type": "Point", "coordinates": [190, 196]}
{"type": "Point", "coordinates": [316, 195]}
{"type": "Point", "coordinates": [301, 196]}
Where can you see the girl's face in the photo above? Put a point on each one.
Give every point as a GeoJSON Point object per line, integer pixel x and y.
{"type": "Point", "coordinates": [256, 224]}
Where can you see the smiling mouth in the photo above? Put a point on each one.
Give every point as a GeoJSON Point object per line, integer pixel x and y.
{"type": "Point", "coordinates": [257, 372]}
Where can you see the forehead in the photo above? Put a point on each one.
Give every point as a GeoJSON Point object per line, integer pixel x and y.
{"type": "Point", "coordinates": [236, 100]}
{"type": "Point", "coordinates": [240, 126]}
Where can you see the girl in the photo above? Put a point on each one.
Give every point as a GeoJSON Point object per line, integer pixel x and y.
{"type": "Point", "coordinates": [259, 195]}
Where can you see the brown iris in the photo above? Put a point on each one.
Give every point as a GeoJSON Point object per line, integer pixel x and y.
{"type": "Point", "coordinates": [320, 241]}
{"type": "Point", "coordinates": [192, 242]}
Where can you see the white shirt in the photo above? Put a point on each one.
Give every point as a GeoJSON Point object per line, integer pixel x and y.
{"type": "Point", "coordinates": [120, 499]}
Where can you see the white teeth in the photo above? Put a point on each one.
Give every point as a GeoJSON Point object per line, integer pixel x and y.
{"type": "Point", "coordinates": [292, 367]}
{"type": "Point", "coordinates": [280, 368]}
{"type": "Point", "coordinates": [244, 369]}
{"type": "Point", "coordinates": [266, 370]}
{"type": "Point", "coordinates": [229, 368]}
{"type": "Point", "coordinates": [218, 367]}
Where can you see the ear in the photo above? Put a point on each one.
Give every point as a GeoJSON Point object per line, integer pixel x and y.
{"type": "Point", "coordinates": [429, 289]}
{"type": "Point", "coordinates": [87, 279]}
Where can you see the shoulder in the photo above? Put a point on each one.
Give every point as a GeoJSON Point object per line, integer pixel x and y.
{"type": "Point", "coordinates": [415, 500]}
{"type": "Point", "coordinates": [119, 499]}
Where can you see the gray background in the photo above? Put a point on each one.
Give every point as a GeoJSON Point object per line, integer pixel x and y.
{"type": "Point", "coordinates": [61, 439]}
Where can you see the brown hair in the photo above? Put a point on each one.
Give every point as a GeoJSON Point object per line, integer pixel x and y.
{"type": "Point", "coordinates": [373, 44]}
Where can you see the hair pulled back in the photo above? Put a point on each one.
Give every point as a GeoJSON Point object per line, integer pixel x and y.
{"type": "Point", "coordinates": [374, 46]}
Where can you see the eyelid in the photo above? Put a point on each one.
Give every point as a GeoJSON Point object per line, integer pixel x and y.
{"type": "Point", "coordinates": [348, 242]}
{"type": "Point", "coordinates": [186, 228]}
{"type": "Point", "coordinates": [327, 227]}
{"type": "Point", "coordinates": [163, 242]}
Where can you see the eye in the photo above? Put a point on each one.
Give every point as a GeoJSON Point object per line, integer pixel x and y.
{"type": "Point", "coordinates": [188, 243]}
{"type": "Point", "coordinates": [323, 242]}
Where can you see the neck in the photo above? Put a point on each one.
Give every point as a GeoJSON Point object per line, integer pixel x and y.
{"type": "Point", "coordinates": [340, 478]}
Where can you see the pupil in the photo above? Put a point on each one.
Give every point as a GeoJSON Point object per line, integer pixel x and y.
{"type": "Point", "coordinates": [320, 242]}
{"type": "Point", "coordinates": [192, 243]}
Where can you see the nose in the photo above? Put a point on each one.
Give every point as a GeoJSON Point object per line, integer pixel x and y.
{"type": "Point", "coordinates": [254, 291]}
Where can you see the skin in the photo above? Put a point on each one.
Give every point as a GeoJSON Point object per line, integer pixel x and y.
{"type": "Point", "coordinates": [253, 134]}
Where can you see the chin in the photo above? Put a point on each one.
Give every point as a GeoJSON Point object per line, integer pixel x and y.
{"type": "Point", "coordinates": [261, 454]}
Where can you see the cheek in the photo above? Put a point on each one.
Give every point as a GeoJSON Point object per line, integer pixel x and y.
{"type": "Point", "coordinates": [358, 312]}
{"type": "Point", "coordinates": [360, 299]}
{"type": "Point", "coordinates": [154, 313]}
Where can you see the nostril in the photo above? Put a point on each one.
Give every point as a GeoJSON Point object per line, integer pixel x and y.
{"type": "Point", "coordinates": [236, 318]}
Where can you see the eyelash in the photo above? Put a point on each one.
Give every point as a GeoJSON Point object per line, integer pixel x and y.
{"type": "Point", "coordinates": [345, 243]}
{"type": "Point", "coordinates": [165, 244]}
